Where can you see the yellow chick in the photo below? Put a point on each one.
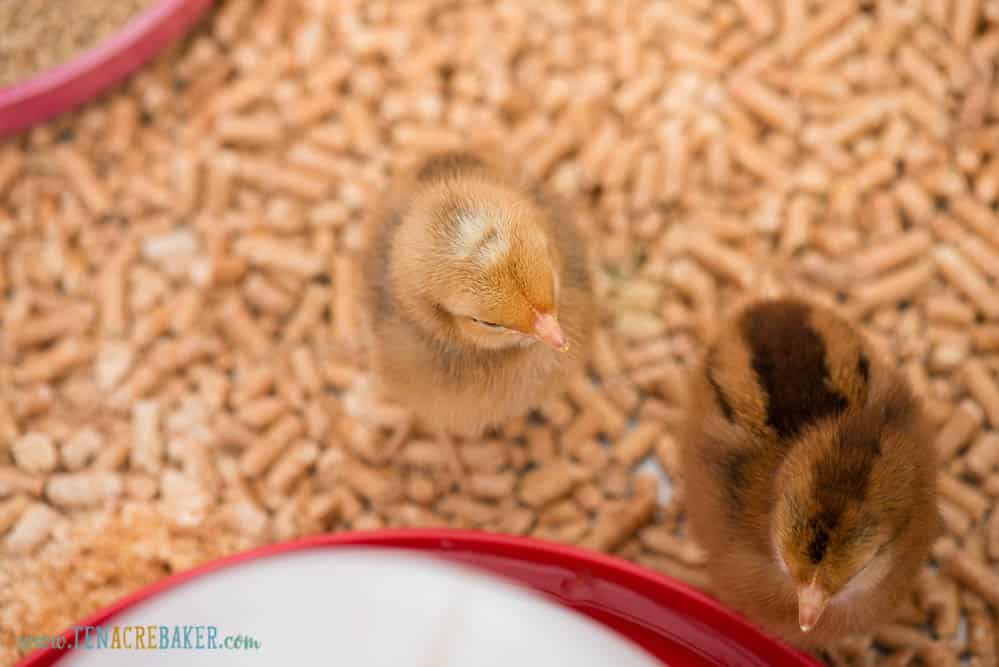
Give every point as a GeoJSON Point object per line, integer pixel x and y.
{"type": "Point", "coordinates": [478, 294]}
{"type": "Point", "coordinates": [810, 478]}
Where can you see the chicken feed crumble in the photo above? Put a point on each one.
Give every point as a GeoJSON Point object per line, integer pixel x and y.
{"type": "Point", "coordinates": [41, 34]}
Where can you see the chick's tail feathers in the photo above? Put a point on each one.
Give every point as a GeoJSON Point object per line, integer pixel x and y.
{"type": "Point", "coordinates": [448, 163]}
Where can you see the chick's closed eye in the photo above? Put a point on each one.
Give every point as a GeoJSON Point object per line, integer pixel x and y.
{"type": "Point", "coordinates": [484, 323]}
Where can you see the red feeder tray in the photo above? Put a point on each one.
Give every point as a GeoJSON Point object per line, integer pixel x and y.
{"type": "Point", "coordinates": [670, 623]}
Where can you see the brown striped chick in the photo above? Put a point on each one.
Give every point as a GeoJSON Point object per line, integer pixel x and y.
{"type": "Point", "coordinates": [479, 297]}
{"type": "Point", "coordinates": [810, 478]}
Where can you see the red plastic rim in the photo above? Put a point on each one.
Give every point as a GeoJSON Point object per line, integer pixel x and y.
{"type": "Point", "coordinates": [671, 621]}
{"type": "Point", "coordinates": [54, 91]}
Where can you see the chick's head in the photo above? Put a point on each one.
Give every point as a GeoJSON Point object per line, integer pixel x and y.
{"type": "Point", "coordinates": [484, 259]}
{"type": "Point", "coordinates": [846, 493]}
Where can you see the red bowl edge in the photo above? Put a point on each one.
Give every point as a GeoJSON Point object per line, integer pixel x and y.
{"type": "Point", "coordinates": [719, 618]}
{"type": "Point", "coordinates": [66, 86]}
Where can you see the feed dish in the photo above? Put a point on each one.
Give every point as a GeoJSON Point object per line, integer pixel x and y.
{"type": "Point", "coordinates": [54, 91]}
{"type": "Point", "coordinates": [306, 586]}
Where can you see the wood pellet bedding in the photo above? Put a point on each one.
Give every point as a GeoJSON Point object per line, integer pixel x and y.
{"type": "Point", "coordinates": [181, 369]}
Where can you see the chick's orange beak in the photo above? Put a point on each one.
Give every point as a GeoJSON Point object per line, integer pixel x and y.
{"type": "Point", "coordinates": [548, 331]}
{"type": "Point", "coordinates": [812, 601]}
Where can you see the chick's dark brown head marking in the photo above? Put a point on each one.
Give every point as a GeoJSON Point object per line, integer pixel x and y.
{"type": "Point", "coordinates": [848, 489]}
